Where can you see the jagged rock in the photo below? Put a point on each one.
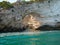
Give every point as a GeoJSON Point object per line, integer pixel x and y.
{"type": "Point", "coordinates": [31, 21]}
{"type": "Point", "coordinates": [20, 19]}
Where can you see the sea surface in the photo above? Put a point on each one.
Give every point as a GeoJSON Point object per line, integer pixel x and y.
{"type": "Point", "coordinates": [30, 38]}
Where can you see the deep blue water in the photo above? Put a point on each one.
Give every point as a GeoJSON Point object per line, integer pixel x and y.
{"type": "Point", "coordinates": [31, 38]}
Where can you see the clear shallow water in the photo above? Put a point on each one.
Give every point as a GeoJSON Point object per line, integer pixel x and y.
{"type": "Point", "coordinates": [30, 38]}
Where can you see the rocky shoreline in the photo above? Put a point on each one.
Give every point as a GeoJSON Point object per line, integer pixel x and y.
{"type": "Point", "coordinates": [6, 29]}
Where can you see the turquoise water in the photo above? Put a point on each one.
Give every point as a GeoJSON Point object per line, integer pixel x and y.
{"type": "Point", "coordinates": [40, 38]}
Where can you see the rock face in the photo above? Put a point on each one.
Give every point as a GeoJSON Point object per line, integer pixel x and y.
{"type": "Point", "coordinates": [31, 21]}
{"type": "Point", "coordinates": [49, 9]}
{"type": "Point", "coordinates": [48, 14]}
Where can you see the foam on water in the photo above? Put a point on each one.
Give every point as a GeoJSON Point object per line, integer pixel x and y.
{"type": "Point", "coordinates": [24, 33]}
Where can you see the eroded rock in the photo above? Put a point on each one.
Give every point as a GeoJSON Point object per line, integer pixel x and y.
{"type": "Point", "coordinates": [31, 21]}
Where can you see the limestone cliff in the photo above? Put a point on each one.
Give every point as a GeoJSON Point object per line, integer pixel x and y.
{"type": "Point", "coordinates": [48, 13]}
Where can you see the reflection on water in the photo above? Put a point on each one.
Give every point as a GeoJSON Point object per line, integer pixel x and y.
{"type": "Point", "coordinates": [31, 38]}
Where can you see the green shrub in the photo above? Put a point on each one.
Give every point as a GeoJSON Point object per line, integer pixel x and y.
{"type": "Point", "coordinates": [6, 5]}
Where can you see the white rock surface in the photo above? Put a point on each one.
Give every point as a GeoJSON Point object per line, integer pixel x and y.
{"type": "Point", "coordinates": [50, 10]}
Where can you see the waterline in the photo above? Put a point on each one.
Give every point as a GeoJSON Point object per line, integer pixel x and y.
{"type": "Point", "coordinates": [24, 33]}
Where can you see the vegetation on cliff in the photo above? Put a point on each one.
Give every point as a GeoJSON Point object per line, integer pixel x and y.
{"type": "Point", "coordinates": [6, 5]}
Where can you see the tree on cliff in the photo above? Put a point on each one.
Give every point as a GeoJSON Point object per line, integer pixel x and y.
{"type": "Point", "coordinates": [6, 5]}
